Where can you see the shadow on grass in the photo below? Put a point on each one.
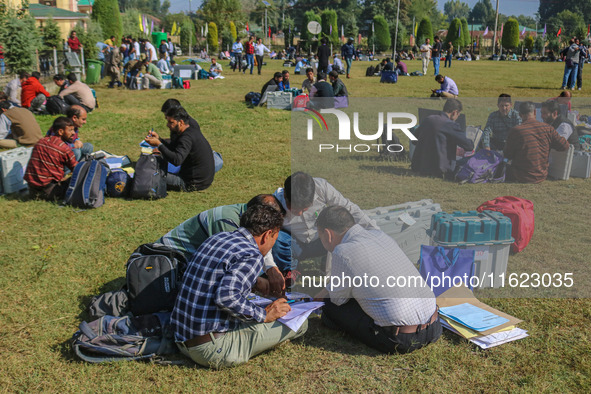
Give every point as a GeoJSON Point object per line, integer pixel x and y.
{"type": "Point", "coordinates": [389, 170]}
{"type": "Point", "coordinates": [532, 87]}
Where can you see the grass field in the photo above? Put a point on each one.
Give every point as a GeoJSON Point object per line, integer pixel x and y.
{"type": "Point", "coordinates": [55, 258]}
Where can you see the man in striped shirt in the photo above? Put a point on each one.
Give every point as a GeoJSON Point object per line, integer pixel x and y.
{"type": "Point", "coordinates": [45, 171]}
{"type": "Point", "coordinates": [214, 322]}
{"type": "Point", "coordinates": [528, 146]}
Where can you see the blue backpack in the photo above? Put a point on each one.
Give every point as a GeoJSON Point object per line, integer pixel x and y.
{"type": "Point", "coordinates": [87, 186]}
{"type": "Point", "coordinates": [484, 166]}
{"type": "Point", "coordinates": [118, 183]}
{"type": "Point", "coordinates": [389, 77]}
{"type": "Point", "coordinates": [111, 338]}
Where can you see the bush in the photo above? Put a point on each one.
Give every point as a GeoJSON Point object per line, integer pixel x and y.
{"type": "Point", "coordinates": [528, 42]}
{"type": "Point", "coordinates": [20, 39]}
{"type": "Point", "coordinates": [233, 31]}
{"type": "Point", "coordinates": [382, 33]}
{"type": "Point", "coordinates": [212, 37]}
{"type": "Point", "coordinates": [130, 24]}
{"type": "Point", "coordinates": [510, 38]}
{"type": "Point", "coordinates": [51, 36]}
{"type": "Point", "coordinates": [466, 39]}
{"type": "Point", "coordinates": [424, 31]}
{"type": "Point", "coordinates": [306, 35]}
{"type": "Point", "coordinates": [106, 13]}
{"type": "Point", "coordinates": [89, 37]}
{"type": "Point", "coordinates": [452, 34]}
{"type": "Point", "coordinates": [329, 18]}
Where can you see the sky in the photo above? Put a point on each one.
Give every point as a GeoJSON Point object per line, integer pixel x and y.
{"type": "Point", "coordinates": [507, 7]}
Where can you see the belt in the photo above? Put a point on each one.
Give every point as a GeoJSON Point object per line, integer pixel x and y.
{"type": "Point", "coordinates": [201, 339]}
{"type": "Point", "coordinates": [395, 330]}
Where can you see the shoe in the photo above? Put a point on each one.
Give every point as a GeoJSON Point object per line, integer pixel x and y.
{"type": "Point", "coordinates": [563, 88]}
{"type": "Point", "coordinates": [348, 76]}
{"type": "Point", "coordinates": [579, 89]}
{"type": "Point", "coordinates": [573, 88]}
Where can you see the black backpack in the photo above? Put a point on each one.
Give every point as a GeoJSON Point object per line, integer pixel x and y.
{"type": "Point", "coordinates": [149, 180]}
{"type": "Point", "coordinates": [87, 185]}
{"type": "Point", "coordinates": [387, 154]}
{"type": "Point", "coordinates": [56, 106]}
{"type": "Point", "coordinates": [370, 71]}
{"type": "Point", "coordinates": [154, 275]}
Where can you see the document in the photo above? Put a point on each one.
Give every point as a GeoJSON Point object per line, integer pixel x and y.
{"type": "Point", "coordinates": [473, 317]}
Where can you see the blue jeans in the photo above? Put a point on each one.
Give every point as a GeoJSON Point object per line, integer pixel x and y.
{"type": "Point", "coordinates": [567, 72]}
{"type": "Point", "coordinates": [348, 60]}
{"type": "Point", "coordinates": [2, 67]}
{"type": "Point", "coordinates": [175, 182]}
{"type": "Point", "coordinates": [218, 161]}
{"type": "Point", "coordinates": [447, 60]}
{"type": "Point", "coordinates": [436, 61]}
{"type": "Point", "coordinates": [249, 62]}
{"type": "Point", "coordinates": [282, 252]}
{"type": "Point", "coordinates": [86, 149]}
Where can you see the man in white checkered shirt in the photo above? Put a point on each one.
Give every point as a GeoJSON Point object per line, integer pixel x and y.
{"type": "Point", "coordinates": [388, 318]}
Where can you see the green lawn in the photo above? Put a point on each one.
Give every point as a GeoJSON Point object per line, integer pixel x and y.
{"type": "Point", "coordinates": [55, 258]}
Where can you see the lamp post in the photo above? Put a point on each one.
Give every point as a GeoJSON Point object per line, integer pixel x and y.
{"type": "Point", "coordinates": [396, 32]}
{"type": "Point", "coordinates": [496, 25]}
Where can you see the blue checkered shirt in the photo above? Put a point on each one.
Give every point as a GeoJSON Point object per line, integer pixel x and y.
{"type": "Point", "coordinates": [218, 279]}
{"type": "Point", "coordinates": [498, 127]}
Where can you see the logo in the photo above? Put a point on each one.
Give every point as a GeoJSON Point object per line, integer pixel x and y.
{"type": "Point", "coordinates": [120, 186]}
{"type": "Point", "coordinates": [349, 130]}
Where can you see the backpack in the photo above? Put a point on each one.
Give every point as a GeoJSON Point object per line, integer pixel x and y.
{"type": "Point", "coordinates": [154, 274]}
{"type": "Point", "coordinates": [388, 155]}
{"type": "Point", "coordinates": [118, 183]}
{"type": "Point", "coordinates": [56, 106]}
{"type": "Point", "coordinates": [177, 83]}
{"type": "Point", "coordinates": [484, 166]}
{"type": "Point", "coordinates": [149, 180]}
{"type": "Point", "coordinates": [370, 71]}
{"type": "Point", "coordinates": [111, 303]}
{"type": "Point", "coordinates": [521, 213]}
{"type": "Point", "coordinates": [87, 186]}
{"type": "Point", "coordinates": [186, 85]}
{"type": "Point", "coordinates": [111, 338]}
{"type": "Point", "coordinates": [389, 77]}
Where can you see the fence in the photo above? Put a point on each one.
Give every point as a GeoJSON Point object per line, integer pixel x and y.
{"type": "Point", "coordinates": [52, 62]}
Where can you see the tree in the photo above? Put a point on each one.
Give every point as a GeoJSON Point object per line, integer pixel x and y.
{"type": "Point", "coordinates": [483, 12]}
{"type": "Point", "coordinates": [402, 36]}
{"type": "Point", "coordinates": [550, 8]}
{"type": "Point", "coordinates": [510, 38]}
{"type": "Point", "coordinates": [306, 35]}
{"type": "Point", "coordinates": [382, 33]}
{"type": "Point", "coordinates": [454, 34]}
{"type": "Point", "coordinates": [20, 39]}
{"type": "Point", "coordinates": [51, 35]}
{"type": "Point", "coordinates": [330, 27]}
{"type": "Point", "coordinates": [106, 13]}
{"type": "Point", "coordinates": [572, 24]}
{"type": "Point", "coordinates": [456, 9]}
{"type": "Point", "coordinates": [221, 12]}
{"type": "Point", "coordinates": [528, 42]}
{"type": "Point", "coordinates": [88, 37]}
{"type": "Point", "coordinates": [212, 37]}
{"type": "Point", "coordinates": [233, 31]}
{"type": "Point", "coordinates": [130, 23]}
{"type": "Point", "coordinates": [424, 31]}
{"type": "Point", "coordinates": [466, 38]}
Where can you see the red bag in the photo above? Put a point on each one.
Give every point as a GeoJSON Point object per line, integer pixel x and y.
{"type": "Point", "coordinates": [186, 85]}
{"type": "Point", "coordinates": [521, 213]}
{"type": "Point", "coordinates": [300, 101]}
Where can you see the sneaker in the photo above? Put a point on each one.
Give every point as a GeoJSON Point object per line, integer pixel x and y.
{"type": "Point", "coordinates": [579, 89]}
{"type": "Point", "coordinates": [573, 88]}
{"type": "Point", "coordinates": [563, 88]}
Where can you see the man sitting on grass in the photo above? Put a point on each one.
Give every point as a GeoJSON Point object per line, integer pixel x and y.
{"type": "Point", "coordinates": [18, 126]}
{"type": "Point", "coordinates": [78, 116]}
{"type": "Point", "coordinates": [214, 322]}
{"type": "Point", "coordinates": [188, 236]}
{"type": "Point", "coordinates": [45, 171]}
{"type": "Point", "coordinates": [528, 146]}
{"type": "Point", "coordinates": [272, 83]}
{"type": "Point", "coordinates": [78, 93]}
{"type": "Point", "coordinates": [215, 70]}
{"type": "Point", "coordinates": [33, 94]}
{"type": "Point", "coordinates": [388, 319]}
{"type": "Point", "coordinates": [448, 87]}
{"type": "Point", "coordinates": [188, 149]}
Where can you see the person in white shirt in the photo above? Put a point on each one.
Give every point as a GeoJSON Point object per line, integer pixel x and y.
{"type": "Point", "coordinates": [237, 49]}
{"type": "Point", "coordinates": [163, 64]}
{"type": "Point", "coordinates": [11, 90]}
{"type": "Point", "coordinates": [337, 64]}
{"type": "Point", "coordinates": [426, 54]}
{"type": "Point", "coordinates": [397, 318]}
{"type": "Point", "coordinates": [151, 52]}
{"type": "Point", "coordinates": [136, 47]}
{"type": "Point", "coordinates": [259, 51]}
{"type": "Point", "coordinates": [170, 50]}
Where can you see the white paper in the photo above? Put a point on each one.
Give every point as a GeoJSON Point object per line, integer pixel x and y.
{"type": "Point", "coordinates": [299, 313]}
{"type": "Point", "coordinates": [492, 340]}
{"type": "Point", "coordinates": [407, 219]}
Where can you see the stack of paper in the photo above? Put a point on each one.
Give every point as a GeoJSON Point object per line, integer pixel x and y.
{"type": "Point", "coordinates": [481, 324]}
{"type": "Point", "coordinates": [301, 305]}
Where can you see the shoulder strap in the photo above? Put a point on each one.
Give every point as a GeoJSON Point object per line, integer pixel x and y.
{"type": "Point", "coordinates": [88, 182]}
{"type": "Point", "coordinates": [73, 182]}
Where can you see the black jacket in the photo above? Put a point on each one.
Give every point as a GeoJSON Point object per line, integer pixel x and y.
{"type": "Point", "coordinates": [192, 152]}
{"type": "Point", "coordinates": [265, 86]}
{"type": "Point", "coordinates": [435, 152]}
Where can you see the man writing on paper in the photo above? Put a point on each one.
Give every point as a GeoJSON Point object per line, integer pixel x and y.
{"type": "Point", "coordinates": [214, 323]}
{"type": "Point", "coordinates": [391, 319]}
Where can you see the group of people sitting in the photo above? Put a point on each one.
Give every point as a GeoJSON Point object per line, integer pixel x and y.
{"type": "Point", "coordinates": [33, 94]}
{"type": "Point", "coordinates": [320, 88]}
{"type": "Point", "coordinates": [516, 134]}
{"type": "Point", "coordinates": [237, 249]}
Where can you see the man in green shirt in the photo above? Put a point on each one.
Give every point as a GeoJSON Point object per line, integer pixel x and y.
{"type": "Point", "coordinates": [188, 236]}
{"type": "Point", "coordinates": [152, 76]}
